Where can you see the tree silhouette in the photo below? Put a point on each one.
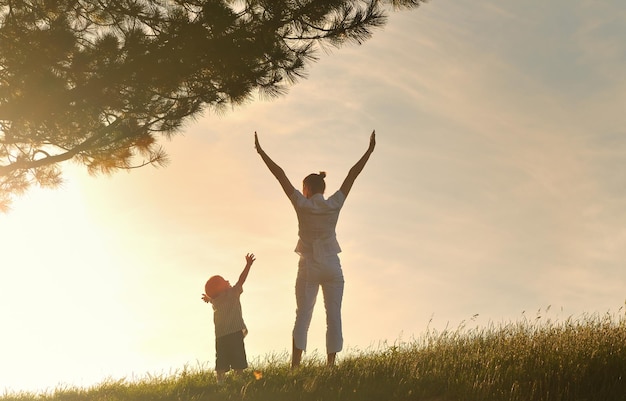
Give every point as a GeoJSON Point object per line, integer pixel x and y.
{"type": "Point", "coordinates": [98, 81]}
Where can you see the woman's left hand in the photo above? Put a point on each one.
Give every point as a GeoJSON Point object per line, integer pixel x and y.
{"type": "Point", "coordinates": [257, 145]}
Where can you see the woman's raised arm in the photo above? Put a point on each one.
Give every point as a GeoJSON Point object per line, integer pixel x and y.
{"type": "Point", "coordinates": [358, 167]}
{"type": "Point", "coordinates": [275, 169]}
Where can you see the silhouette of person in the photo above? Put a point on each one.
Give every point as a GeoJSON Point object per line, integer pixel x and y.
{"type": "Point", "coordinates": [230, 328]}
{"type": "Point", "coordinates": [319, 264]}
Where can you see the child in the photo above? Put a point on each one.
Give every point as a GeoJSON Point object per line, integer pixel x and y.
{"type": "Point", "coordinates": [229, 326]}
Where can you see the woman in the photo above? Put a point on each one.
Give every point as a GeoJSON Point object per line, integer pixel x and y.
{"type": "Point", "coordinates": [318, 248]}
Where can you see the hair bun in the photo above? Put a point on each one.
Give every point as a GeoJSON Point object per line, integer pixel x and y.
{"type": "Point", "coordinates": [322, 174]}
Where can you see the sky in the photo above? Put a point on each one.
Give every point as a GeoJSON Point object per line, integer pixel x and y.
{"type": "Point", "coordinates": [497, 188]}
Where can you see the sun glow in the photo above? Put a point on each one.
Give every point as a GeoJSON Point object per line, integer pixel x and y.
{"type": "Point", "coordinates": [55, 273]}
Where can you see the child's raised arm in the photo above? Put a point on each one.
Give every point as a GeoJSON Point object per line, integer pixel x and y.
{"type": "Point", "coordinates": [244, 274]}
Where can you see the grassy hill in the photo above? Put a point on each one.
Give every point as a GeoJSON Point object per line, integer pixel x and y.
{"type": "Point", "coordinates": [577, 359]}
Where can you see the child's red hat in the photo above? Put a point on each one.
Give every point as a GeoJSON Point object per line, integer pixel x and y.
{"type": "Point", "coordinates": [214, 286]}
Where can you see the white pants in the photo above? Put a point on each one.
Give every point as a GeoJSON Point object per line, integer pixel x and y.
{"type": "Point", "coordinates": [311, 275]}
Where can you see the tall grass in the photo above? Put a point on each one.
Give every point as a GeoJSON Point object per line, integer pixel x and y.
{"type": "Point", "coordinates": [528, 360]}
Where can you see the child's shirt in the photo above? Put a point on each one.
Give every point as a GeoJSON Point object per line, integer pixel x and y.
{"type": "Point", "coordinates": [227, 314]}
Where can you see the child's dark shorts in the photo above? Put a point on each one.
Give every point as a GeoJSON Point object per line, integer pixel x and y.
{"type": "Point", "coordinates": [230, 352]}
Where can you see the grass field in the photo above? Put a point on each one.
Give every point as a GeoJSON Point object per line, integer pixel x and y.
{"type": "Point", "coordinates": [580, 359]}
